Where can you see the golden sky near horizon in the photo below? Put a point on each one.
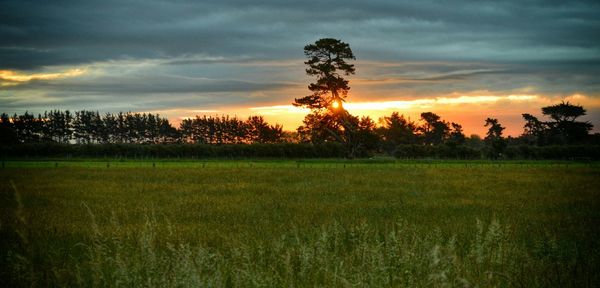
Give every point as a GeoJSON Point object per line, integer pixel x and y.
{"type": "Point", "coordinates": [469, 111]}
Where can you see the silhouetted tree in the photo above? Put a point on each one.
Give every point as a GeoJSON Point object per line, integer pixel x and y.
{"type": "Point", "coordinates": [259, 131]}
{"type": "Point", "coordinates": [493, 139]}
{"type": "Point", "coordinates": [366, 135]}
{"type": "Point", "coordinates": [433, 130]}
{"type": "Point", "coordinates": [564, 128]}
{"type": "Point", "coordinates": [320, 126]}
{"type": "Point", "coordinates": [456, 136]}
{"type": "Point", "coordinates": [166, 132]}
{"type": "Point", "coordinates": [111, 125]}
{"type": "Point", "coordinates": [327, 62]}
{"type": "Point", "coordinates": [474, 141]}
{"type": "Point", "coordinates": [228, 130]}
{"type": "Point", "coordinates": [534, 130]}
{"type": "Point", "coordinates": [395, 130]}
{"type": "Point", "coordinates": [8, 134]}
{"type": "Point", "coordinates": [28, 127]}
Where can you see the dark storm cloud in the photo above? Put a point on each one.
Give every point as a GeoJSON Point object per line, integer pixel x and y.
{"type": "Point", "coordinates": [42, 33]}
{"type": "Point", "coordinates": [128, 85]}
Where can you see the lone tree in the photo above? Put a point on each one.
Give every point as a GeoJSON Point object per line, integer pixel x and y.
{"type": "Point", "coordinates": [328, 120]}
{"type": "Point", "coordinates": [327, 61]}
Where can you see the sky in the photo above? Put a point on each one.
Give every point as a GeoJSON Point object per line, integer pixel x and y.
{"type": "Point", "coordinates": [463, 60]}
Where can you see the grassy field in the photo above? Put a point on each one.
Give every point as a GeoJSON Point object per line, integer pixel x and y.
{"type": "Point", "coordinates": [299, 224]}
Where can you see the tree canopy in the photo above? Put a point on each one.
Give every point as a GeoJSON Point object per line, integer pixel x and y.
{"type": "Point", "coordinates": [563, 127]}
{"type": "Point", "coordinates": [327, 61]}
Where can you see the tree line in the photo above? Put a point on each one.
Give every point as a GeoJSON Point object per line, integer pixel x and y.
{"type": "Point", "coordinates": [428, 137]}
{"type": "Point", "coordinates": [91, 127]}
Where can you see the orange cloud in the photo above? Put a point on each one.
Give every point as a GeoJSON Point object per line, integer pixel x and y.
{"type": "Point", "coordinates": [12, 78]}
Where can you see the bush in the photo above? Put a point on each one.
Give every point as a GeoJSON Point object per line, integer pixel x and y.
{"type": "Point", "coordinates": [280, 150]}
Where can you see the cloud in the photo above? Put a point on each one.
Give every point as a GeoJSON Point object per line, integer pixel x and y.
{"type": "Point", "coordinates": [41, 33]}
{"type": "Point", "coordinates": [13, 78]}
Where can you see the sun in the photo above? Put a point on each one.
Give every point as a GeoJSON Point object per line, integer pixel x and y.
{"type": "Point", "coordinates": [335, 105]}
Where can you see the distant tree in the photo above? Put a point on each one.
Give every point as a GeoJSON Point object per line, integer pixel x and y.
{"type": "Point", "coordinates": [562, 129]}
{"type": "Point", "coordinates": [456, 136]}
{"type": "Point", "coordinates": [395, 130]}
{"type": "Point", "coordinates": [121, 128]}
{"type": "Point", "coordinates": [565, 128]}
{"type": "Point", "coordinates": [366, 135]}
{"type": "Point", "coordinates": [98, 129]}
{"type": "Point", "coordinates": [474, 141]}
{"type": "Point", "coordinates": [494, 141]}
{"type": "Point", "coordinates": [111, 125]}
{"type": "Point", "coordinates": [534, 130]}
{"type": "Point", "coordinates": [81, 122]}
{"type": "Point", "coordinates": [433, 130]}
{"type": "Point", "coordinates": [186, 130]}
{"type": "Point", "coordinates": [320, 126]}
{"type": "Point", "coordinates": [166, 132]}
{"type": "Point", "coordinates": [28, 127]}
{"type": "Point", "coordinates": [259, 131]}
{"type": "Point", "coordinates": [8, 134]}
{"type": "Point", "coordinates": [151, 131]}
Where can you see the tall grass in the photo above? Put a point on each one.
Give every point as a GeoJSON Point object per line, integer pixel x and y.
{"type": "Point", "coordinates": [328, 256]}
{"type": "Point", "coordinates": [450, 226]}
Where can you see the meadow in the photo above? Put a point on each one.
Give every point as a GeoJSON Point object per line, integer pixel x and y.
{"type": "Point", "coordinates": [314, 223]}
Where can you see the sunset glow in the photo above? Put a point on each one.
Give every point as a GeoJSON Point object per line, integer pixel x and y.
{"type": "Point", "coordinates": [400, 105]}
{"type": "Point", "coordinates": [10, 78]}
{"type": "Point", "coordinates": [335, 105]}
{"type": "Point", "coordinates": [469, 110]}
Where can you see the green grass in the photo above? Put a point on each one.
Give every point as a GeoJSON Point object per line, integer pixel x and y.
{"type": "Point", "coordinates": [299, 223]}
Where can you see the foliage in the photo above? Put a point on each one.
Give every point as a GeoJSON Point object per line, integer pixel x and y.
{"type": "Point", "coordinates": [395, 130]}
{"type": "Point", "coordinates": [328, 120]}
{"type": "Point", "coordinates": [88, 127]}
{"type": "Point", "coordinates": [327, 61]}
{"type": "Point", "coordinates": [563, 129]}
{"type": "Point", "coordinates": [191, 151]}
{"type": "Point", "coordinates": [494, 141]}
{"type": "Point", "coordinates": [433, 131]}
